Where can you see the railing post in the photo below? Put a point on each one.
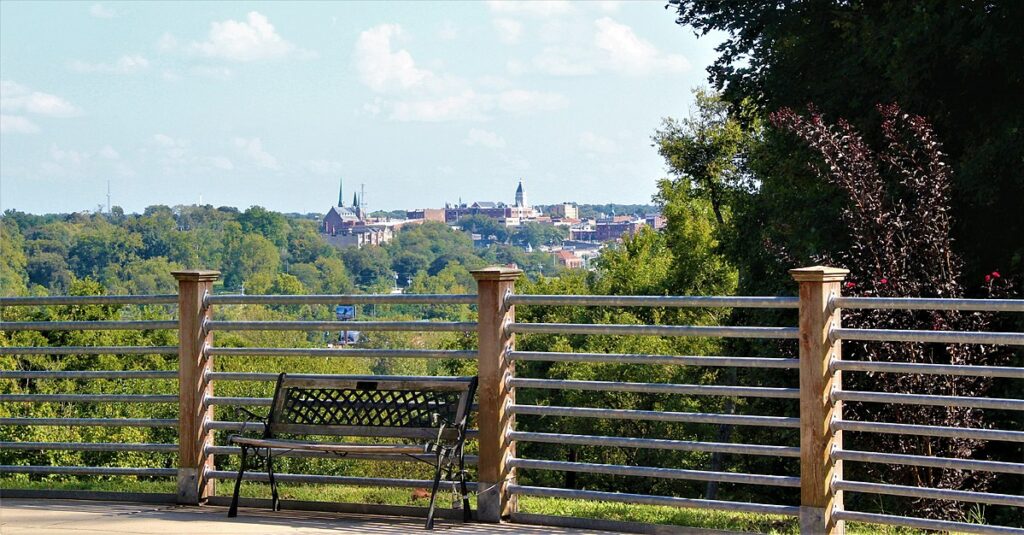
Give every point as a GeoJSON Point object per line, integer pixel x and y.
{"type": "Point", "coordinates": [818, 502]}
{"type": "Point", "coordinates": [194, 386]}
{"type": "Point", "coordinates": [495, 393]}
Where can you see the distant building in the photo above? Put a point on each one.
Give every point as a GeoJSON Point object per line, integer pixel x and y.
{"type": "Point", "coordinates": [427, 214]}
{"type": "Point", "coordinates": [568, 259]}
{"type": "Point", "coordinates": [349, 226]}
{"type": "Point", "coordinates": [565, 211]}
{"type": "Point", "coordinates": [508, 215]}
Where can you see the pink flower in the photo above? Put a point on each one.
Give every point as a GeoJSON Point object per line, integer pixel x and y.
{"type": "Point", "coordinates": [851, 284]}
{"type": "Point", "coordinates": [995, 274]}
{"type": "Point", "coordinates": [988, 278]}
{"type": "Point", "coordinates": [884, 281]}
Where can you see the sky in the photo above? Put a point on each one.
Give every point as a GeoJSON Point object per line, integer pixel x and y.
{"type": "Point", "coordinates": [271, 104]}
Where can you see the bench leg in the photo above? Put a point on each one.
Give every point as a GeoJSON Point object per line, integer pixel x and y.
{"type": "Point", "coordinates": [462, 485]}
{"type": "Point", "coordinates": [275, 502]}
{"type": "Point", "coordinates": [433, 491]}
{"type": "Point", "coordinates": [233, 510]}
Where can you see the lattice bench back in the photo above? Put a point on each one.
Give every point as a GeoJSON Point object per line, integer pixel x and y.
{"type": "Point", "coordinates": [369, 406]}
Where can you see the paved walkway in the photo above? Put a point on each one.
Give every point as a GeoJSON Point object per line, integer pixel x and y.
{"type": "Point", "coordinates": [69, 517]}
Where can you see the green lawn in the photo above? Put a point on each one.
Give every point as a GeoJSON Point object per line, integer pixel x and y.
{"type": "Point", "coordinates": [770, 524]}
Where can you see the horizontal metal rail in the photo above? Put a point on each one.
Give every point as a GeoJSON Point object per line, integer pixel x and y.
{"type": "Point", "coordinates": [89, 446]}
{"type": "Point", "coordinates": [937, 337]}
{"type": "Point", "coordinates": [923, 399]}
{"type": "Point", "coordinates": [654, 301]}
{"type": "Point", "coordinates": [930, 493]}
{"type": "Point", "coordinates": [350, 353]}
{"type": "Point", "coordinates": [88, 398]}
{"type": "Point", "coordinates": [238, 401]}
{"type": "Point", "coordinates": [651, 471]}
{"type": "Point", "coordinates": [657, 416]}
{"type": "Point", "coordinates": [92, 422]}
{"type": "Point", "coordinates": [328, 480]}
{"type": "Point", "coordinates": [930, 369]}
{"type": "Point", "coordinates": [140, 325]}
{"type": "Point", "coordinates": [647, 499]}
{"type": "Point", "coordinates": [242, 376]}
{"type": "Point", "coordinates": [922, 523]}
{"type": "Point", "coordinates": [109, 374]}
{"type": "Point", "coordinates": [159, 299]}
{"type": "Point", "coordinates": [931, 462]}
{"type": "Point", "coordinates": [654, 330]}
{"type": "Point", "coordinates": [222, 425]}
{"type": "Point", "coordinates": [350, 299]}
{"type": "Point", "coordinates": [90, 350]}
{"type": "Point", "coordinates": [656, 444]}
{"type": "Point", "coordinates": [235, 450]}
{"type": "Point", "coordinates": [635, 358]}
{"type": "Point", "coordinates": [659, 388]}
{"type": "Point", "coordinates": [89, 470]}
{"type": "Point", "coordinates": [416, 326]}
{"type": "Point", "coordinates": [928, 430]}
{"type": "Point", "coordinates": [916, 303]}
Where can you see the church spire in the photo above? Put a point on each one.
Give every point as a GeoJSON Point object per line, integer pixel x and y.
{"type": "Point", "coordinates": [355, 200]}
{"type": "Point", "coordinates": [341, 202]}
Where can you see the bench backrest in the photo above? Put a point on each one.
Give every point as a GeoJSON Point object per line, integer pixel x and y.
{"type": "Point", "coordinates": [370, 406]}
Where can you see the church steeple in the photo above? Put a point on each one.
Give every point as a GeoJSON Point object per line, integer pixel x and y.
{"type": "Point", "coordinates": [520, 195]}
{"type": "Point", "coordinates": [341, 202]}
{"type": "Point", "coordinates": [355, 200]}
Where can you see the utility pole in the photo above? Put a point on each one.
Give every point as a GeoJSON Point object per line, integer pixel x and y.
{"type": "Point", "coordinates": [362, 197]}
{"type": "Point", "coordinates": [108, 196]}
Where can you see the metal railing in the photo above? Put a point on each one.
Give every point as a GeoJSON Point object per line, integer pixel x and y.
{"type": "Point", "coordinates": [506, 465]}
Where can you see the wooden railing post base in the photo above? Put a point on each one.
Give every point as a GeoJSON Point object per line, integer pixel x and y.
{"type": "Point", "coordinates": [819, 285]}
{"type": "Point", "coordinates": [495, 392]}
{"type": "Point", "coordinates": [194, 386]}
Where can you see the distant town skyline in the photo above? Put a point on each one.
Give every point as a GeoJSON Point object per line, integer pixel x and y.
{"type": "Point", "coordinates": [271, 104]}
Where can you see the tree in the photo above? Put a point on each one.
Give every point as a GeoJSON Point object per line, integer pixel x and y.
{"type": "Point", "coordinates": [959, 63]}
{"type": "Point", "coordinates": [12, 258]}
{"type": "Point", "coordinates": [707, 148]}
{"type": "Point", "coordinates": [902, 247]}
{"type": "Point", "coordinates": [484, 226]}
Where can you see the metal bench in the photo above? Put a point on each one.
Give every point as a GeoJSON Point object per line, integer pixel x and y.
{"type": "Point", "coordinates": [429, 413]}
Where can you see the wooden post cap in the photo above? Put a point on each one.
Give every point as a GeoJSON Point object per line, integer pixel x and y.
{"type": "Point", "coordinates": [196, 275]}
{"type": "Point", "coordinates": [497, 273]}
{"type": "Point", "coordinates": [818, 274]}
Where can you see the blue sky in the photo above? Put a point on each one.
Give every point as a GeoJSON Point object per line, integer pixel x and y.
{"type": "Point", "coordinates": [272, 103]}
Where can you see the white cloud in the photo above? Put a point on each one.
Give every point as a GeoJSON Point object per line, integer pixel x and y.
{"type": "Point", "coordinates": [509, 30]}
{"type": "Point", "coordinates": [174, 152]}
{"type": "Point", "coordinates": [324, 167]}
{"type": "Point", "coordinates": [250, 40]}
{"type": "Point", "coordinates": [470, 105]}
{"type": "Point", "coordinates": [101, 11]}
{"type": "Point", "coordinates": [484, 138]}
{"type": "Point", "coordinates": [608, 6]}
{"type": "Point", "coordinates": [594, 143]}
{"type": "Point", "coordinates": [109, 153]}
{"type": "Point", "coordinates": [252, 148]}
{"type": "Point", "coordinates": [217, 73]}
{"type": "Point", "coordinates": [167, 42]}
{"type": "Point", "coordinates": [629, 54]}
{"type": "Point", "coordinates": [546, 8]}
{"type": "Point", "coordinates": [606, 46]}
{"type": "Point", "coordinates": [18, 98]}
{"type": "Point", "coordinates": [220, 162]}
{"type": "Point", "coordinates": [448, 32]}
{"type": "Point", "coordinates": [16, 124]}
{"type": "Point", "coordinates": [467, 105]}
{"type": "Point", "coordinates": [522, 101]}
{"type": "Point", "coordinates": [383, 69]}
{"type": "Point", "coordinates": [124, 65]}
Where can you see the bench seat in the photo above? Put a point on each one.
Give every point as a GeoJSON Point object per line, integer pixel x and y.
{"type": "Point", "coordinates": [333, 447]}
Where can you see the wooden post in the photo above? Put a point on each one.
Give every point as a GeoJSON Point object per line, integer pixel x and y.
{"type": "Point", "coordinates": [494, 392]}
{"type": "Point", "coordinates": [194, 386]}
{"type": "Point", "coordinates": [818, 502]}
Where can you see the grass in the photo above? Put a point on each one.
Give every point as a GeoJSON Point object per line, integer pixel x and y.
{"type": "Point", "coordinates": [701, 518]}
